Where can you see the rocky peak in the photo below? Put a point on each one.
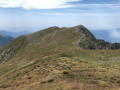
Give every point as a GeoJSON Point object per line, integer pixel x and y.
{"type": "Point", "coordinates": [88, 41]}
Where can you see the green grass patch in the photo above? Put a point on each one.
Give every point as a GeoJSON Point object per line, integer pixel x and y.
{"type": "Point", "coordinates": [65, 55]}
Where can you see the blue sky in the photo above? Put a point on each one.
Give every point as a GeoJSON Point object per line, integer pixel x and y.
{"type": "Point", "coordinates": [33, 15]}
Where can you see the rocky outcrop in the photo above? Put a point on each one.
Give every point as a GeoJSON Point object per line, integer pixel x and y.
{"type": "Point", "coordinates": [107, 45]}
{"type": "Point", "coordinates": [7, 53]}
{"type": "Point", "coordinates": [88, 41]}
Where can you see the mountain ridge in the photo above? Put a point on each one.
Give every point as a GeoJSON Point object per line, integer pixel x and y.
{"type": "Point", "coordinates": [56, 55]}
{"type": "Point", "coordinates": [78, 37]}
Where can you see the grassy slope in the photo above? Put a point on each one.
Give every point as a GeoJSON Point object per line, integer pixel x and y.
{"type": "Point", "coordinates": [50, 60]}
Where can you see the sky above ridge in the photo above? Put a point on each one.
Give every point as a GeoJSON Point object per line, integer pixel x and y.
{"type": "Point", "coordinates": [33, 15]}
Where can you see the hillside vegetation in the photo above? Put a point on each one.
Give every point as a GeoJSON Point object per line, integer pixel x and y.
{"type": "Point", "coordinates": [60, 59]}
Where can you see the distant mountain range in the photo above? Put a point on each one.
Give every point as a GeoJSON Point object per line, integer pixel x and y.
{"type": "Point", "coordinates": [6, 36]}
{"type": "Point", "coordinates": [5, 39]}
{"type": "Point", "coordinates": [14, 34]}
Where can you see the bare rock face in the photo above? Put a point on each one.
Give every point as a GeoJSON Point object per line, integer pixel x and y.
{"type": "Point", "coordinates": [7, 53]}
{"type": "Point", "coordinates": [115, 46]}
{"type": "Point", "coordinates": [88, 41]}
{"type": "Point", "coordinates": [107, 45]}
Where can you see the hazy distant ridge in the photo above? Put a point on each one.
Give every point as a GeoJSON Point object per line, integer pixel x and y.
{"type": "Point", "coordinates": [5, 39]}
{"type": "Point", "coordinates": [14, 34]}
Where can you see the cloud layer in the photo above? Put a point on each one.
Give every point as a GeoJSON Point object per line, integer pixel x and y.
{"type": "Point", "coordinates": [36, 4]}
{"type": "Point", "coordinates": [115, 33]}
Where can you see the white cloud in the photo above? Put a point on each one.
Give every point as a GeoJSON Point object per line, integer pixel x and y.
{"type": "Point", "coordinates": [36, 4]}
{"type": "Point", "coordinates": [115, 33]}
{"type": "Point", "coordinates": [79, 14]}
{"type": "Point", "coordinates": [89, 6]}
